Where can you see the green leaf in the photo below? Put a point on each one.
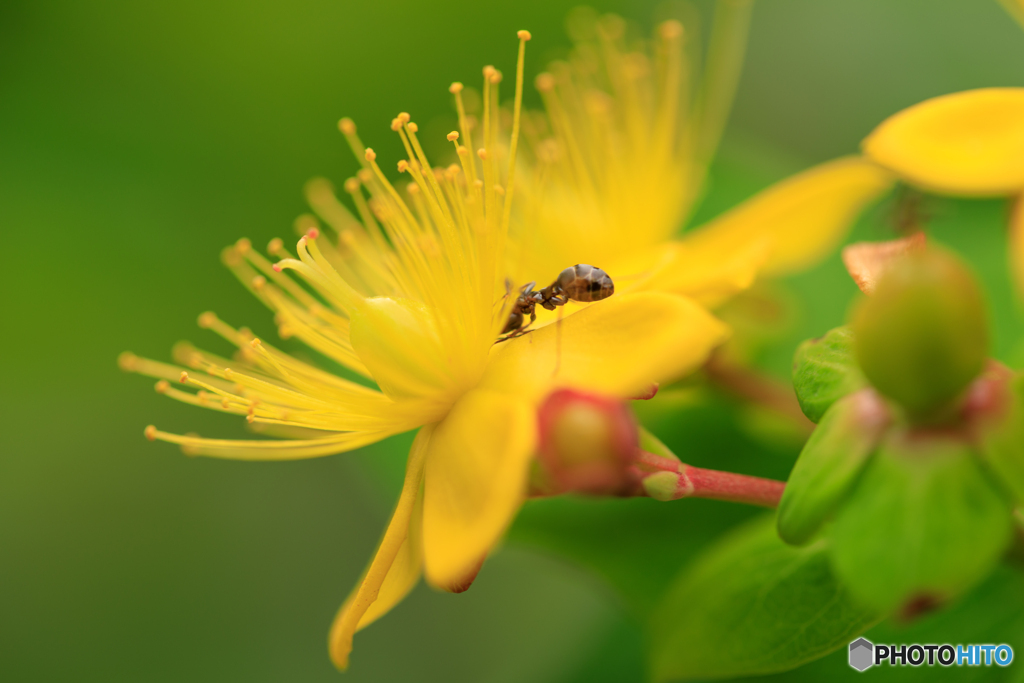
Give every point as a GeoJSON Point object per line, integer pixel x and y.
{"type": "Point", "coordinates": [829, 464]}
{"type": "Point", "coordinates": [1003, 444]}
{"type": "Point", "coordinates": [824, 370]}
{"type": "Point", "coordinates": [990, 613]}
{"type": "Point", "coordinates": [753, 605]}
{"type": "Point", "coordinates": [924, 521]}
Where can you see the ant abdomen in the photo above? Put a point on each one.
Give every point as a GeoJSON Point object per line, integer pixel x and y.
{"type": "Point", "coordinates": [585, 283]}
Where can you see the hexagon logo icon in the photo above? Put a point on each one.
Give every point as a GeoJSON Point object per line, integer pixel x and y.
{"type": "Point", "coordinates": [862, 654]}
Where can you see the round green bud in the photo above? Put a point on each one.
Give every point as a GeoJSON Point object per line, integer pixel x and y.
{"type": "Point", "coordinates": [922, 337]}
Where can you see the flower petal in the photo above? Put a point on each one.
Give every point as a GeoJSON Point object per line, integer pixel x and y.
{"type": "Point", "coordinates": [804, 216]}
{"type": "Point", "coordinates": [619, 347]}
{"type": "Point", "coordinates": [397, 341]}
{"type": "Point", "coordinates": [703, 271]}
{"type": "Point", "coordinates": [476, 475]}
{"type": "Point", "coordinates": [395, 567]}
{"type": "Point", "coordinates": [968, 143]}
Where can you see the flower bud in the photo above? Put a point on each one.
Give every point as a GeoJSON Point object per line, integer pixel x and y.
{"type": "Point", "coordinates": [923, 336]}
{"type": "Point", "coordinates": [587, 443]}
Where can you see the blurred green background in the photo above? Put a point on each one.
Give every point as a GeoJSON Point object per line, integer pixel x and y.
{"type": "Point", "coordinates": [137, 139]}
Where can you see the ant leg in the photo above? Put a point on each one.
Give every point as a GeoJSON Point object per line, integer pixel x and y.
{"type": "Point", "coordinates": [520, 331]}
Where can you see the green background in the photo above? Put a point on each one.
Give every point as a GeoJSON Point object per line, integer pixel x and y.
{"type": "Point", "coordinates": [137, 139]}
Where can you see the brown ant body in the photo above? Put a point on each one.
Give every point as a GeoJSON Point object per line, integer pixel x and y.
{"type": "Point", "coordinates": [581, 283]}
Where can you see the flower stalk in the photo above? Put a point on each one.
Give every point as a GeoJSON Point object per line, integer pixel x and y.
{"type": "Point", "coordinates": [665, 479]}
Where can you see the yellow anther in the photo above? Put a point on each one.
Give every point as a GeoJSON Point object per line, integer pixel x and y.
{"type": "Point", "coordinates": [462, 151]}
{"type": "Point", "coordinates": [495, 77]}
{"type": "Point", "coordinates": [670, 29]}
{"type": "Point", "coordinates": [259, 282]}
{"type": "Point", "coordinates": [499, 189]}
{"type": "Point", "coordinates": [478, 183]}
{"type": "Point", "coordinates": [396, 125]}
{"type": "Point", "coordinates": [403, 166]}
{"type": "Point", "coordinates": [275, 245]}
{"type": "Point", "coordinates": [404, 117]}
{"type": "Point", "coordinates": [524, 35]}
{"type": "Point", "coordinates": [413, 127]}
{"type": "Point", "coordinates": [128, 361]}
{"type": "Point", "coordinates": [412, 188]}
{"type": "Point", "coordinates": [243, 246]}
{"type": "Point", "coordinates": [365, 175]}
{"type": "Point", "coordinates": [545, 82]}
{"type": "Point", "coordinates": [453, 136]}
{"type": "Point", "coordinates": [482, 153]}
{"type": "Point", "coordinates": [370, 154]}
{"type": "Point", "coordinates": [347, 126]}
{"type": "Point", "coordinates": [488, 70]}
{"type": "Point", "coordinates": [184, 377]}
{"type": "Point", "coordinates": [150, 433]}
{"type": "Point", "coordinates": [256, 343]}
{"type": "Point", "coordinates": [162, 386]}
{"type": "Point", "coordinates": [207, 320]}
{"type": "Point", "coordinates": [352, 185]}
{"type": "Point", "coordinates": [455, 88]}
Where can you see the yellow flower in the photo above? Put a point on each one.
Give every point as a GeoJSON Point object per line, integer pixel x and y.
{"type": "Point", "coordinates": [968, 143]}
{"type": "Point", "coordinates": [412, 297]}
{"type": "Point", "coordinates": [618, 161]}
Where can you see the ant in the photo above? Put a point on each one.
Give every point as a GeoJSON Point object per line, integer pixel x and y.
{"type": "Point", "coordinates": [576, 283]}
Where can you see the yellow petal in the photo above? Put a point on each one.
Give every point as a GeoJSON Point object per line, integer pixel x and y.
{"type": "Point", "coordinates": [395, 567]}
{"type": "Point", "coordinates": [476, 473]}
{"type": "Point", "coordinates": [619, 347]}
{"type": "Point", "coordinates": [968, 143]}
{"type": "Point", "coordinates": [397, 340]}
{"type": "Point", "coordinates": [706, 274]}
{"type": "Point", "coordinates": [804, 217]}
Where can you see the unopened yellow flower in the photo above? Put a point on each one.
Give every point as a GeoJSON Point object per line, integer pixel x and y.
{"type": "Point", "coordinates": [968, 143]}
{"type": "Point", "coordinates": [618, 160]}
{"type": "Point", "coordinates": [412, 296]}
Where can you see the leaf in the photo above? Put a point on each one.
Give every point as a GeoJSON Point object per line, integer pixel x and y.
{"type": "Point", "coordinates": [990, 613]}
{"type": "Point", "coordinates": [923, 522]}
{"type": "Point", "coordinates": [824, 370]}
{"type": "Point", "coordinates": [829, 464]}
{"type": "Point", "coordinates": [753, 605]}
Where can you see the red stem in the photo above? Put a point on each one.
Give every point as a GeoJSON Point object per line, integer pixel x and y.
{"type": "Point", "coordinates": [697, 482]}
{"type": "Point", "coordinates": [735, 488]}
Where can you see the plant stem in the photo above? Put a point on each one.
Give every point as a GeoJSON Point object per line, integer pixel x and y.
{"type": "Point", "coordinates": [665, 479]}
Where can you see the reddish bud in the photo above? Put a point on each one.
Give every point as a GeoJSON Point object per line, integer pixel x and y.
{"type": "Point", "coordinates": [587, 443]}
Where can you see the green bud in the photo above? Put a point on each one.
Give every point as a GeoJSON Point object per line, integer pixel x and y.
{"type": "Point", "coordinates": [824, 371]}
{"type": "Point", "coordinates": [923, 336]}
{"type": "Point", "coordinates": [830, 464]}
